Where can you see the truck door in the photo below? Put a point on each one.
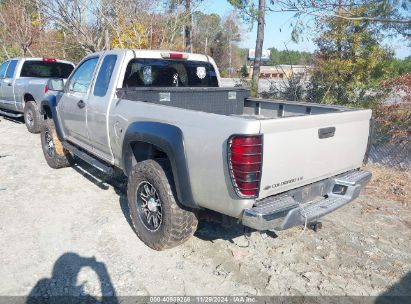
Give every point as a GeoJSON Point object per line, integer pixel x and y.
{"type": "Point", "coordinates": [99, 104]}
{"type": "Point", "coordinates": [3, 69]}
{"type": "Point", "coordinates": [7, 86]}
{"type": "Point", "coordinates": [73, 103]}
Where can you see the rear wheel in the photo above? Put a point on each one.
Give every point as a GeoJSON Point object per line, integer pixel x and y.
{"type": "Point", "coordinates": [32, 117]}
{"type": "Point", "coordinates": [53, 150]}
{"type": "Point", "coordinates": [159, 221]}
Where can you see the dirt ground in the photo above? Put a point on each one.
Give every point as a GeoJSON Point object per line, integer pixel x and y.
{"type": "Point", "coordinates": [64, 232]}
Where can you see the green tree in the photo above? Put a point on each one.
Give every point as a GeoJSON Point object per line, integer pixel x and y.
{"type": "Point", "coordinates": [218, 37]}
{"type": "Point", "coordinates": [244, 71]}
{"type": "Point", "coordinates": [289, 57]}
{"type": "Point", "coordinates": [391, 16]}
{"type": "Point", "coordinates": [350, 62]}
{"type": "Point", "coordinates": [254, 12]}
{"type": "Point", "coordinates": [188, 16]}
{"type": "Point", "coordinates": [205, 30]}
{"type": "Point", "coordinates": [401, 66]}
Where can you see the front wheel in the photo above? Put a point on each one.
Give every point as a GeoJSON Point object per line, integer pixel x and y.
{"type": "Point", "coordinates": [32, 117]}
{"type": "Point", "coordinates": [159, 221]}
{"type": "Point", "coordinates": [53, 150]}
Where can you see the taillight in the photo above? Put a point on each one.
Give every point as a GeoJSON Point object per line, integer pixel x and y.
{"type": "Point", "coordinates": [46, 88]}
{"type": "Point", "coordinates": [46, 59]}
{"type": "Point", "coordinates": [174, 55]}
{"type": "Point", "coordinates": [245, 156]}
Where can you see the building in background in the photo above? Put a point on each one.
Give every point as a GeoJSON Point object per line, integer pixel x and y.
{"type": "Point", "coordinates": [282, 71]}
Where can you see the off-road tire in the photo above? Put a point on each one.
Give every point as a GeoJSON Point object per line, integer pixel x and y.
{"type": "Point", "coordinates": [178, 223]}
{"type": "Point", "coordinates": [61, 157]}
{"type": "Point", "coordinates": [32, 117]}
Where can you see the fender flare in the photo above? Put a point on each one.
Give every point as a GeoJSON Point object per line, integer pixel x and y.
{"type": "Point", "coordinates": [32, 95]}
{"type": "Point", "coordinates": [170, 140]}
{"type": "Point", "coordinates": [51, 103]}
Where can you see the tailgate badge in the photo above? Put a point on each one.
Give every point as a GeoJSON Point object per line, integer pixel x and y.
{"type": "Point", "coordinates": [283, 183]}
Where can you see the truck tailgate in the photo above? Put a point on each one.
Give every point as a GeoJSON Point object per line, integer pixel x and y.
{"type": "Point", "coordinates": [303, 149]}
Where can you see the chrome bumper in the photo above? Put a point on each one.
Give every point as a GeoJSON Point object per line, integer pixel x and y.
{"type": "Point", "coordinates": [306, 204]}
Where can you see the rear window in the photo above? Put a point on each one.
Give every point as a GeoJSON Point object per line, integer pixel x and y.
{"type": "Point", "coordinates": [44, 69]}
{"type": "Point", "coordinates": [169, 73]}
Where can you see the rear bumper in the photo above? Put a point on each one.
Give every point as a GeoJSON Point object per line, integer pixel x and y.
{"type": "Point", "coordinates": [306, 204]}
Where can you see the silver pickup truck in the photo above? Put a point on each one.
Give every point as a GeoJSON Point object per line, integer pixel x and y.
{"type": "Point", "coordinates": [23, 83]}
{"type": "Point", "coordinates": [187, 144]}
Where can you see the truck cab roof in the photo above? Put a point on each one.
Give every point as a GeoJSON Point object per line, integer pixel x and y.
{"type": "Point", "coordinates": [49, 59]}
{"type": "Point", "coordinates": [138, 53]}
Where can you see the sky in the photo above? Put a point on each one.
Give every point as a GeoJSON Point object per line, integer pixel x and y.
{"type": "Point", "coordinates": [278, 31]}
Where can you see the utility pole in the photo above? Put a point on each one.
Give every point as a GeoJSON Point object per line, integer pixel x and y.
{"type": "Point", "coordinates": [258, 48]}
{"type": "Point", "coordinates": [206, 45]}
{"type": "Point", "coordinates": [188, 28]}
{"type": "Point", "coordinates": [229, 48]}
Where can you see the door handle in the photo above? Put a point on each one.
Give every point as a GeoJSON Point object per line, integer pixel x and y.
{"type": "Point", "coordinates": [81, 104]}
{"type": "Point", "coordinates": [326, 132]}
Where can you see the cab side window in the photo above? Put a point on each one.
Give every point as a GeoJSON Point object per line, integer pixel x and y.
{"type": "Point", "coordinates": [104, 75]}
{"type": "Point", "coordinates": [3, 69]}
{"type": "Point", "coordinates": [81, 79]}
{"type": "Point", "coordinates": [11, 68]}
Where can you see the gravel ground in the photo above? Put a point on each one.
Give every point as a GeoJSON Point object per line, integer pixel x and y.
{"type": "Point", "coordinates": [63, 232]}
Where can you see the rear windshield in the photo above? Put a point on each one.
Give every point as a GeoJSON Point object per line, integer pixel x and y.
{"type": "Point", "coordinates": [44, 69]}
{"type": "Point", "coordinates": [169, 73]}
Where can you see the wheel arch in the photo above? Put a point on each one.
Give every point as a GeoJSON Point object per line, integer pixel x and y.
{"type": "Point", "coordinates": [153, 140]}
{"type": "Point", "coordinates": [28, 97]}
{"type": "Point", "coordinates": [48, 110]}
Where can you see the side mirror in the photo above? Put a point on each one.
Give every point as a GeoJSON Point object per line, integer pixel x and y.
{"type": "Point", "coordinates": [56, 84]}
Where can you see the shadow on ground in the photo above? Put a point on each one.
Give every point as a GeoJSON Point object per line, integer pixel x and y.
{"type": "Point", "coordinates": [214, 226]}
{"type": "Point", "coordinates": [399, 293]}
{"type": "Point", "coordinates": [19, 120]}
{"type": "Point", "coordinates": [63, 286]}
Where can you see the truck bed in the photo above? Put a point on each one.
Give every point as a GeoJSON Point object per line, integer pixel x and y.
{"type": "Point", "coordinates": [226, 101]}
